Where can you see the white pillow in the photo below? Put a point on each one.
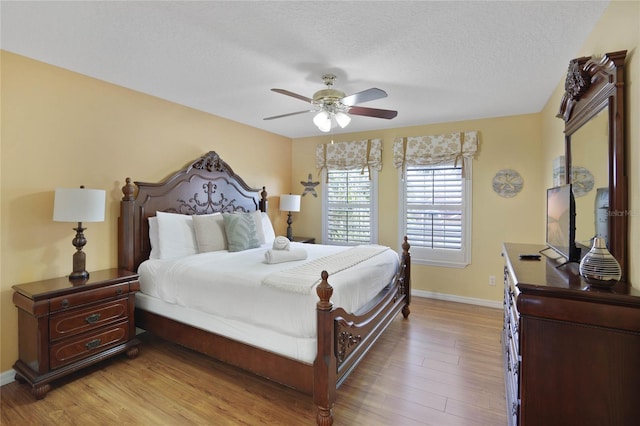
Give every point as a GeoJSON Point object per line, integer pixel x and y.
{"type": "Point", "coordinates": [210, 234]}
{"type": "Point", "coordinates": [176, 235]}
{"type": "Point", "coordinates": [267, 229]}
{"type": "Point", "coordinates": [154, 238]}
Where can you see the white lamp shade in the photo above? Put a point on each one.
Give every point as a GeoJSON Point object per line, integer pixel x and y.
{"type": "Point", "coordinates": [343, 119]}
{"type": "Point", "coordinates": [290, 203]}
{"type": "Point", "coordinates": [323, 121]}
{"type": "Point", "coordinates": [79, 205]}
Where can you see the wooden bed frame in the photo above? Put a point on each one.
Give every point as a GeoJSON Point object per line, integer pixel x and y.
{"type": "Point", "coordinates": [209, 185]}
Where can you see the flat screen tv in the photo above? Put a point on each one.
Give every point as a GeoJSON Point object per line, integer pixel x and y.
{"type": "Point", "coordinates": [561, 222]}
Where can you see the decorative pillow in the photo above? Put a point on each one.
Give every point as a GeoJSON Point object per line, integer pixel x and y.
{"type": "Point", "coordinates": [240, 229]}
{"type": "Point", "coordinates": [154, 238]}
{"type": "Point", "coordinates": [210, 234]}
{"type": "Point", "coordinates": [176, 235]}
{"type": "Point", "coordinates": [267, 229]}
{"type": "Point", "coordinates": [257, 218]}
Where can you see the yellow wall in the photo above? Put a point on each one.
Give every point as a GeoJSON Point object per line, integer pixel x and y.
{"type": "Point", "coordinates": [62, 129]}
{"type": "Point", "coordinates": [508, 142]}
{"type": "Point", "coordinates": [618, 29]}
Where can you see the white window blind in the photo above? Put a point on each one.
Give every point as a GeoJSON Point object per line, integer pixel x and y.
{"type": "Point", "coordinates": [349, 213]}
{"type": "Point", "coordinates": [436, 201]}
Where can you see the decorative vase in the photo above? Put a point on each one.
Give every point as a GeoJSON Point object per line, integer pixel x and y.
{"type": "Point", "coordinates": [598, 267]}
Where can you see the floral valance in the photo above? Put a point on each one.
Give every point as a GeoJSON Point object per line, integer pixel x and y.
{"type": "Point", "coordinates": [350, 155]}
{"type": "Point", "coordinates": [434, 149]}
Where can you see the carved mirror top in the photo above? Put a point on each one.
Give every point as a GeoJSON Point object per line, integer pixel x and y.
{"type": "Point", "coordinates": [577, 81]}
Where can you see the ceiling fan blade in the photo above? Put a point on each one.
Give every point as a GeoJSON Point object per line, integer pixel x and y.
{"type": "Point", "coordinates": [373, 112]}
{"type": "Point", "coordinates": [364, 96]}
{"type": "Point", "coordinates": [293, 95]}
{"type": "Point", "coordinates": [287, 115]}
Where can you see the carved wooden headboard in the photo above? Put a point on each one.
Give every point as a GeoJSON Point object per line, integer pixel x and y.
{"type": "Point", "coordinates": [207, 185]}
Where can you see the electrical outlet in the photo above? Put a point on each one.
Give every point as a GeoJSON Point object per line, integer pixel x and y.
{"type": "Point", "coordinates": [492, 280]}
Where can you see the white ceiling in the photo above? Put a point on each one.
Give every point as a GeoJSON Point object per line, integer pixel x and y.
{"type": "Point", "coordinates": [438, 61]}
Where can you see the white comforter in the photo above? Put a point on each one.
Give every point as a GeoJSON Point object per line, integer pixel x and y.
{"type": "Point", "coordinates": [229, 285]}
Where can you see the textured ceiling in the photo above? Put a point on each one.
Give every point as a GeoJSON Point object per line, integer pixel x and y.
{"type": "Point", "coordinates": [438, 61]}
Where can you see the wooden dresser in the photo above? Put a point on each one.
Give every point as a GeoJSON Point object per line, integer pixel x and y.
{"type": "Point", "coordinates": [571, 352]}
{"type": "Point", "coordinates": [66, 325]}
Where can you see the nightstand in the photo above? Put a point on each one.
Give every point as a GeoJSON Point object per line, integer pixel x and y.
{"type": "Point", "coordinates": [307, 240]}
{"type": "Point", "coordinates": [66, 325]}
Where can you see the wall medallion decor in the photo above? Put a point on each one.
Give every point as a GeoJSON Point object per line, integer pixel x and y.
{"type": "Point", "coordinates": [581, 178]}
{"type": "Point", "coordinates": [582, 181]}
{"type": "Point", "coordinates": [507, 183]}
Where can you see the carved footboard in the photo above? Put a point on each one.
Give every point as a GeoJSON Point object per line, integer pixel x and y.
{"type": "Point", "coordinates": [344, 339]}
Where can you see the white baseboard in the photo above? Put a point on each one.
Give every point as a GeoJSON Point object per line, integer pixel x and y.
{"type": "Point", "coordinates": [460, 299]}
{"type": "Point", "coordinates": [7, 377]}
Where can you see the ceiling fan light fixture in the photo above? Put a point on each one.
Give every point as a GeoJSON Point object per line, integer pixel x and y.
{"type": "Point", "coordinates": [331, 104]}
{"type": "Point", "coordinates": [323, 121]}
{"type": "Point", "coordinates": [342, 119]}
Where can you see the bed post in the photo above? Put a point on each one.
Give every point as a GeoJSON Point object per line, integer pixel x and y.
{"type": "Point", "coordinates": [263, 204]}
{"type": "Point", "coordinates": [126, 228]}
{"type": "Point", "coordinates": [406, 277]}
{"type": "Point", "coordinates": [324, 366]}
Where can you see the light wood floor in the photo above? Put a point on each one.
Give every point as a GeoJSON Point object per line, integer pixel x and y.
{"type": "Point", "coordinates": [442, 366]}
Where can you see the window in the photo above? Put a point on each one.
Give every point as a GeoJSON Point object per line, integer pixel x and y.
{"type": "Point", "coordinates": [348, 207]}
{"type": "Point", "coordinates": [435, 214]}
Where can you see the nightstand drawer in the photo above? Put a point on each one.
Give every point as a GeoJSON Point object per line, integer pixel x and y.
{"type": "Point", "coordinates": [68, 351]}
{"type": "Point", "coordinates": [81, 320]}
{"type": "Point", "coordinates": [72, 300]}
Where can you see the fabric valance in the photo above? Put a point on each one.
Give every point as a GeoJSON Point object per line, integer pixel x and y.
{"type": "Point", "coordinates": [350, 155]}
{"type": "Point", "coordinates": [434, 149]}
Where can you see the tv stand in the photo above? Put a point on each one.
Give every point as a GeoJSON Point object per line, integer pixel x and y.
{"type": "Point", "coordinates": [570, 351]}
{"type": "Point", "coordinates": [575, 256]}
{"type": "Point", "coordinates": [566, 263]}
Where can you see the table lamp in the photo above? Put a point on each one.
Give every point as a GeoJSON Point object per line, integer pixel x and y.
{"type": "Point", "coordinates": [289, 203]}
{"type": "Point", "coordinates": [79, 205]}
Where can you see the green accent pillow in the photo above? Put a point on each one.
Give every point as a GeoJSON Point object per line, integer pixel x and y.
{"type": "Point", "coordinates": [241, 231]}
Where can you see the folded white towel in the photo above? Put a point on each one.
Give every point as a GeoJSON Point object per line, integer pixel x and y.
{"type": "Point", "coordinates": [279, 256]}
{"type": "Point", "coordinates": [281, 243]}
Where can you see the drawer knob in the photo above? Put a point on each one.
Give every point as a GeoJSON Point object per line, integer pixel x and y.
{"type": "Point", "coordinates": [119, 291]}
{"type": "Point", "coordinates": [92, 318]}
{"type": "Point", "coordinates": [92, 344]}
{"type": "Point", "coordinates": [65, 303]}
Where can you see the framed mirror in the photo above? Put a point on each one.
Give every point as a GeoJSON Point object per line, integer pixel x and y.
{"type": "Point", "coordinates": [592, 108]}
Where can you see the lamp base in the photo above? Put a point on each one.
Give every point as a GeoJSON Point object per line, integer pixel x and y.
{"type": "Point", "coordinates": [79, 258]}
{"type": "Point", "coordinates": [289, 229]}
{"type": "Point", "coordinates": [79, 275]}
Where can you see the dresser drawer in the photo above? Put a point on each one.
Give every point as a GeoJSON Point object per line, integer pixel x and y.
{"type": "Point", "coordinates": [70, 323]}
{"type": "Point", "coordinates": [73, 300]}
{"type": "Point", "coordinates": [71, 350]}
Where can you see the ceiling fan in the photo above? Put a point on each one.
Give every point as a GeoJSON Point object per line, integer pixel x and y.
{"type": "Point", "coordinates": [333, 105]}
